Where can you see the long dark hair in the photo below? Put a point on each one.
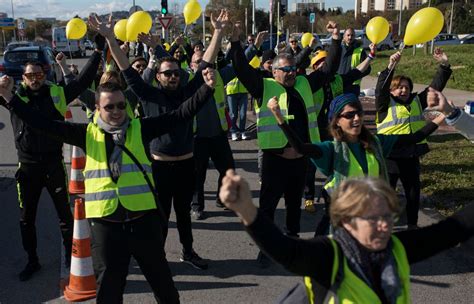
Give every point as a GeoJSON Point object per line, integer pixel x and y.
{"type": "Point", "coordinates": [365, 137]}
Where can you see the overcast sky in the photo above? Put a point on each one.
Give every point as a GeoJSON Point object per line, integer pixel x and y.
{"type": "Point", "coordinates": [66, 9]}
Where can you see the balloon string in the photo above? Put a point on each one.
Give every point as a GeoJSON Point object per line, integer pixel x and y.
{"type": "Point", "coordinates": [401, 48]}
{"type": "Point", "coordinates": [70, 53]}
{"type": "Point", "coordinates": [185, 28]}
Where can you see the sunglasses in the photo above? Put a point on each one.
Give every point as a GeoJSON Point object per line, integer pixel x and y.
{"type": "Point", "coordinates": [170, 73]}
{"type": "Point", "coordinates": [288, 69]}
{"type": "Point", "coordinates": [139, 66]}
{"type": "Point", "coordinates": [351, 114]}
{"type": "Point", "coordinates": [119, 105]}
{"type": "Point", "coordinates": [38, 76]}
{"type": "Point", "coordinates": [292, 41]}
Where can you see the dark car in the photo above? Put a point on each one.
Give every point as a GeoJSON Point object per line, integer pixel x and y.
{"type": "Point", "coordinates": [14, 62]}
{"type": "Point", "coordinates": [16, 44]}
{"type": "Point", "coordinates": [469, 39]}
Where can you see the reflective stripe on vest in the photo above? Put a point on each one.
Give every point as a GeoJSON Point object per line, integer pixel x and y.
{"type": "Point", "coordinates": [131, 189]}
{"type": "Point", "coordinates": [400, 120]}
{"type": "Point", "coordinates": [269, 135]}
{"type": "Point", "coordinates": [355, 169]}
{"type": "Point", "coordinates": [57, 96]}
{"type": "Point", "coordinates": [351, 289]}
{"type": "Point", "coordinates": [219, 98]}
{"type": "Point", "coordinates": [355, 61]}
{"type": "Point", "coordinates": [235, 87]}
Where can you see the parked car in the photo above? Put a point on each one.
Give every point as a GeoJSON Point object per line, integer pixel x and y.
{"type": "Point", "coordinates": [89, 45]}
{"type": "Point", "coordinates": [469, 39]}
{"type": "Point", "coordinates": [319, 45]}
{"type": "Point", "coordinates": [14, 62]}
{"type": "Point", "coordinates": [69, 47]}
{"type": "Point", "coordinates": [443, 39]}
{"type": "Point", "coordinates": [386, 44]}
{"type": "Point", "coordinates": [15, 44]}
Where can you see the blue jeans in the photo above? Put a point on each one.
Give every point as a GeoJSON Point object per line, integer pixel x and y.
{"type": "Point", "coordinates": [238, 107]}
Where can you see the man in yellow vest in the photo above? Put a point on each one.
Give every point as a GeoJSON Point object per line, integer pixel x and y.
{"type": "Point", "coordinates": [283, 169]}
{"type": "Point", "coordinates": [121, 204]}
{"type": "Point", "coordinates": [40, 159]}
{"type": "Point", "coordinates": [352, 55]}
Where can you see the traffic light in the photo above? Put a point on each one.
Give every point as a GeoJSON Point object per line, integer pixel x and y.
{"type": "Point", "coordinates": [164, 7]}
{"type": "Point", "coordinates": [283, 5]}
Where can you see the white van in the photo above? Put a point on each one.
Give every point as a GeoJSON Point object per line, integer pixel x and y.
{"type": "Point", "coordinates": [61, 44]}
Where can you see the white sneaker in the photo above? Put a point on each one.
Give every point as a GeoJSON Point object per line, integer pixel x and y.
{"type": "Point", "coordinates": [235, 136]}
{"type": "Point", "coordinates": [245, 136]}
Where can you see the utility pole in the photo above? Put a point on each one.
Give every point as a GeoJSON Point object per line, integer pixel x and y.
{"type": "Point", "coordinates": [400, 19]}
{"type": "Point", "coordinates": [271, 24]}
{"type": "Point", "coordinates": [451, 18]}
{"type": "Point", "coordinates": [253, 17]}
{"type": "Point", "coordinates": [278, 23]}
{"type": "Point", "coordinates": [246, 23]}
{"type": "Point", "coordinates": [13, 16]}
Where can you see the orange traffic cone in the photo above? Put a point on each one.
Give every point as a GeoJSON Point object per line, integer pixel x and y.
{"type": "Point", "coordinates": [78, 163]}
{"type": "Point", "coordinates": [82, 284]}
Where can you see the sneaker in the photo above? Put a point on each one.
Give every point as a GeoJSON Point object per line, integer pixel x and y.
{"type": "Point", "coordinates": [193, 259]}
{"type": "Point", "coordinates": [245, 136]}
{"type": "Point", "coordinates": [197, 215]}
{"type": "Point", "coordinates": [235, 136]}
{"type": "Point", "coordinates": [309, 206]}
{"type": "Point", "coordinates": [263, 261]}
{"type": "Point", "coordinates": [29, 270]}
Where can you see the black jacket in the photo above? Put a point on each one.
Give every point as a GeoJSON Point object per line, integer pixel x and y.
{"type": "Point", "coordinates": [32, 146]}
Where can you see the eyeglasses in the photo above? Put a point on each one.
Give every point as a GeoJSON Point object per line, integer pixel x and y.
{"type": "Point", "coordinates": [170, 73]}
{"type": "Point", "coordinates": [119, 105]}
{"type": "Point", "coordinates": [288, 69]}
{"type": "Point", "coordinates": [38, 76]}
{"type": "Point", "coordinates": [139, 66]}
{"type": "Point", "coordinates": [292, 41]}
{"type": "Point", "coordinates": [351, 114]}
{"type": "Point", "coordinates": [374, 220]}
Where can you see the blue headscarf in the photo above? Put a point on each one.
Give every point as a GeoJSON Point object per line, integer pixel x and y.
{"type": "Point", "coordinates": [338, 103]}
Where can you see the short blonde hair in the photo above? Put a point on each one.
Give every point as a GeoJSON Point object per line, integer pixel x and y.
{"type": "Point", "coordinates": [354, 197]}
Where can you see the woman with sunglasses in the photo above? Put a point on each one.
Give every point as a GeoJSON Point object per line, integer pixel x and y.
{"type": "Point", "coordinates": [364, 261]}
{"type": "Point", "coordinates": [355, 152]}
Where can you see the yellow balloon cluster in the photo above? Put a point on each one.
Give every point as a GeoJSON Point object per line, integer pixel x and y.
{"type": "Point", "coordinates": [306, 39]}
{"type": "Point", "coordinates": [192, 10]}
{"type": "Point", "coordinates": [139, 22]}
{"type": "Point", "coordinates": [120, 29]}
{"type": "Point", "coordinates": [377, 29]}
{"type": "Point", "coordinates": [76, 28]}
{"type": "Point", "coordinates": [423, 26]}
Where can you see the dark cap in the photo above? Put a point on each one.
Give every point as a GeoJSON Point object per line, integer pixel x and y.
{"type": "Point", "coordinates": [268, 55]}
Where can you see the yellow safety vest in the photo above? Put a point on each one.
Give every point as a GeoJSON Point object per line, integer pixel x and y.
{"type": "Point", "coordinates": [319, 98]}
{"type": "Point", "coordinates": [355, 169]}
{"type": "Point", "coordinates": [355, 61]}
{"type": "Point", "coordinates": [269, 135]}
{"type": "Point", "coordinates": [57, 95]}
{"type": "Point", "coordinates": [235, 87]}
{"type": "Point", "coordinates": [102, 194]}
{"type": "Point", "coordinates": [400, 120]}
{"type": "Point", "coordinates": [219, 98]}
{"type": "Point", "coordinates": [350, 289]}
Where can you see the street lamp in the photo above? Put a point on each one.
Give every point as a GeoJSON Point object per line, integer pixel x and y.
{"type": "Point", "coordinates": [13, 16]}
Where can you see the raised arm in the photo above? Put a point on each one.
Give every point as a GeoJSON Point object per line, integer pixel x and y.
{"type": "Point", "coordinates": [106, 30]}
{"type": "Point", "coordinates": [382, 89]}
{"type": "Point", "coordinates": [219, 24]}
{"type": "Point", "coordinates": [250, 77]}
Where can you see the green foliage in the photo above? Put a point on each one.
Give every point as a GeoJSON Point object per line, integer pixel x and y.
{"type": "Point", "coordinates": [421, 68]}
{"type": "Point", "coordinates": [447, 172]}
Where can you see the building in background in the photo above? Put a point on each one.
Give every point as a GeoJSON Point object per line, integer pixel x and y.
{"type": "Point", "coordinates": [300, 6]}
{"type": "Point", "coordinates": [365, 6]}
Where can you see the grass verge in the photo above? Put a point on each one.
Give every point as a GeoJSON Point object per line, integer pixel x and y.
{"type": "Point", "coordinates": [447, 173]}
{"type": "Point", "coordinates": [421, 68]}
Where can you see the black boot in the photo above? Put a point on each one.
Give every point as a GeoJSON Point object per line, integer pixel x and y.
{"type": "Point", "coordinates": [31, 267]}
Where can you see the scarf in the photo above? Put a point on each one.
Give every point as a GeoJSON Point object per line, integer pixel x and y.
{"type": "Point", "coordinates": [365, 263]}
{"type": "Point", "coordinates": [118, 135]}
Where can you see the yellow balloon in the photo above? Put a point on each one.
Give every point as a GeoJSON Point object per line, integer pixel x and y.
{"type": "Point", "coordinates": [306, 39]}
{"type": "Point", "coordinates": [167, 46]}
{"type": "Point", "coordinates": [120, 29]}
{"type": "Point", "coordinates": [377, 29]}
{"type": "Point", "coordinates": [192, 10]}
{"type": "Point", "coordinates": [139, 22]}
{"type": "Point", "coordinates": [76, 28]}
{"type": "Point", "coordinates": [423, 26]}
{"type": "Point", "coordinates": [255, 62]}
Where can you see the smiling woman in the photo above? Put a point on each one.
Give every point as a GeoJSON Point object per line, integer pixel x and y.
{"type": "Point", "coordinates": [355, 152]}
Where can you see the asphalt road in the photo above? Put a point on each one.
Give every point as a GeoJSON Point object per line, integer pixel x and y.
{"type": "Point", "coordinates": [232, 277]}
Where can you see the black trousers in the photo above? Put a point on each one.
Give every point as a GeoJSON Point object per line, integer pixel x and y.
{"type": "Point", "coordinates": [285, 177]}
{"type": "Point", "coordinates": [113, 244]}
{"type": "Point", "coordinates": [309, 188]}
{"type": "Point", "coordinates": [218, 150]}
{"type": "Point", "coordinates": [31, 179]}
{"type": "Point", "coordinates": [175, 181]}
{"type": "Point", "coordinates": [408, 171]}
